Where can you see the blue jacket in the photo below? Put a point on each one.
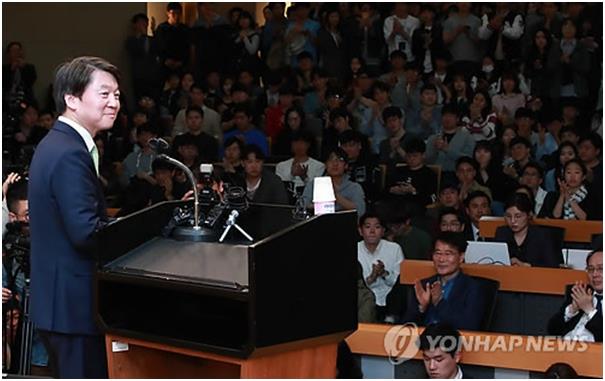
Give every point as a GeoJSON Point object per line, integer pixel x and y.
{"type": "Point", "coordinates": [66, 208]}
{"type": "Point", "coordinates": [463, 309]}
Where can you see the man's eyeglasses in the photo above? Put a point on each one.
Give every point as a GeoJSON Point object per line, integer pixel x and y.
{"type": "Point", "coordinates": [597, 270]}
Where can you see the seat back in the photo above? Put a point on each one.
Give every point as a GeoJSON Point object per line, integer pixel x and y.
{"type": "Point", "coordinates": [490, 289]}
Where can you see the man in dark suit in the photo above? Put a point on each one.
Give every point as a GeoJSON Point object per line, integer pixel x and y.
{"type": "Point", "coordinates": [261, 185]}
{"type": "Point", "coordinates": [450, 296]}
{"type": "Point", "coordinates": [66, 209]}
{"type": "Point", "coordinates": [581, 317]}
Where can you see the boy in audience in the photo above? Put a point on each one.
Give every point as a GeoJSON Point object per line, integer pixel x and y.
{"type": "Point", "coordinates": [211, 123]}
{"type": "Point", "coordinates": [451, 220]}
{"type": "Point", "coordinates": [533, 177]}
{"type": "Point", "coordinates": [427, 120]}
{"type": "Point", "coordinates": [349, 195]}
{"type": "Point", "coordinates": [207, 145]}
{"type": "Point", "coordinates": [451, 143]}
{"type": "Point", "coordinates": [391, 149]}
{"type": "Point", "coordinates": [245, 130]}
{"type": "Point", "coordinates": [466, 172]}
{"type": "Point", "coordinates": [440, 346]}
{"type": "Point", "coordinates": [414, 183]}
{"type": "Point", "coordinates": [448, 197]}
{"type": "Point", "coordinates": [361, 167]}
{"type": "Point", "coordinates": [300, 169]}
{"type": "Point", "coordinates": [477, 205]}
{"type": "Point", "coordinates": [520, 151]}
{"type": "Point", "coordinates": [449, 296]}
{"type": "Point", "coordinates": [261, 185]}
{"type": "Point", "coordinates": [380, 262]}
{"type": "Point", "coordinates": [138, 164]}
{"type": "Point", "coordinates": [581, 317]}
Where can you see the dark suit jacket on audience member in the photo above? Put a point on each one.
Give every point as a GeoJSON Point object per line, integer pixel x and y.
{"type": "Point", "coordinates": [464, 308]}
{"type": "Point", "coordinates": [558, 326]}
{"type": "Point", "coordinates": [538, 249]}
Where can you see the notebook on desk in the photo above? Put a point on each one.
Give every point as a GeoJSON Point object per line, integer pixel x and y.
{"type": "Point", "coordinates": [487, 253]}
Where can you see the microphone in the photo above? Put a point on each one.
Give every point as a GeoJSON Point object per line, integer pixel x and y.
{"type": "Point", "coordinates": [159, 145]}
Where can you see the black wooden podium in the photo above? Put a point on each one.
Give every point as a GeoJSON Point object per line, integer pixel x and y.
{"type": "Point", "coordinates": [289, 292]}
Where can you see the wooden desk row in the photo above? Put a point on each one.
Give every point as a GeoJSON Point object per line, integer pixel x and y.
{"type": "Point", "coordinates": [534, 280]}
{"type": "Point", "coordinates": [585, 358]}
{"type": "Point", "coordinates": [575, 230]}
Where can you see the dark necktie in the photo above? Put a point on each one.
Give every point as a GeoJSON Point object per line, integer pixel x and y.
{"type": "Point", "coordinates": [599, 301]}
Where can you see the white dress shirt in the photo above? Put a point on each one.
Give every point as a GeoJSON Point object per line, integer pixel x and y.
{"type": "Point", "coordinates": [391, 255]}
{"type": "Point", "coordinates": [580, 332]}
{"type": "Point", "coordinates": [315, 168]}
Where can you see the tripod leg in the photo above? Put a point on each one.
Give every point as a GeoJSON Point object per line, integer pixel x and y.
{"type": "Point", "coordinates": [243, 232]}
{"type": "Point", "coordinates": [225, 233]}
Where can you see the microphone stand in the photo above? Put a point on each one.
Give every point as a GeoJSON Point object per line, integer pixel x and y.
{"type": "Point", "coordinates": [191, 178]}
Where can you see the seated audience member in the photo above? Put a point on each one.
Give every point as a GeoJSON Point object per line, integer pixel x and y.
{"type": "Point", "coordinates": [138, 164]}
{"type": "Point", "coordinates": [207, 145]}
{"type": "Point", "coordinates": [481, 121]}
{"type": "Point", "coordinates": [390, 150]}
{"type": "Point", "coordinates": [566, 152]}
{"type": "Point", "coordinates": [349, 195]}
{"type": "Point", "coordinates": [589, 150]}
{"type": "Point", "coordinates": [451, 220]}
{"type": "Point", "coordinates": [528, 245]}
{"type": "Point", "coordinates": [233, 169]}
{"type": "Point", "coordinates": [300, 169]}
{"type": "Point", "coordinates": [339, 123]}
{"type": "Point", "coordinates": [533, 177]}
{"type": "Point", "coordinates": [466, 172]}
{"type": "Point", "coordinates": [581, 317]}
{"type": "Point", "coordinates": [187, 152]}
{"type": "Point", "coordinates": [261, 185]}
{"type": "Point", "coordinates": [414, 183]}
{"type": "Point", "coordinates": [211, 119]}
{"type": "Point", "coordinates": [415, 242]}
{"type": "Point", "coordinates": [489, 172]}
{"type": "Point", "coordinates": [575, 201]}
{"type": "Point", "coordinates": [520, 151]}
{"type": "Point", "coordinates": [477, 205]}
{"type": "Point", "coordinates": [449, 196]}
{"type": "Point", "coordinates": [294, 122]}
{"type": "Point", "coordinates": [425, 121]}
{"type": "Point", "coordinates": [440, 346]}
{"type": "Point", "coordinates": [450, 296]}
{"type": "Point", "coordinates": [245, 130]}
{"type": "Point", "coordinates": [452, 143]}
{"type": "Point", "coordinates": [380, 261]}
{"type": "Point", "coordinates": [361, 167]}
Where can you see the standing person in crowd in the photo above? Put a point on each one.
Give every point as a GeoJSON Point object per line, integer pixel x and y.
{"type": "Point", "coordinates": [332, 48]}
{"type": "Point", "coordinates": [143, 51]}
{"type": "Point", "coordinates": [380, 261]}
{"type": "Point", "coordinates": [273, 48]}
{"type": "Point", "coordinates": [509, 99]}
{"type": "Point", "coordinates": [460, 35]}
{"type": "Point", "coordinates": [427, 41]}
{"type": "Point", "coordinates": [502, 29]}
{"type": "Point", "coordinates": [581, 316]}
{"type": "Point", "coordinates": [66, 213]}
{"type": "Point", "coordinates": [366, 38]}
{"type": "Point", "coordinates": [398, 30]}
{"type": "Point", "coordinates": [535, 66]}
{"type": "Point", "coordinates": [210, 35]}
{"type": "Point", "coordinates": [247, 44]}
{"type": "Point", "coordinates": [18, 77]}
{"type": "Point", "coordinates": [173, 41]}
{"type": "Point", "coordinates": [575, 201]}
{"type": "Point", "coordinates": [301, 34]}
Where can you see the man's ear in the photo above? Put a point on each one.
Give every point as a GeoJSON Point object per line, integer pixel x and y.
{"type": "Point", "coordinates": [462, 258]}
{"type": "Point", "coordinates": [457, 356]}
{"type": "Point", "coordinates": [71, 101]}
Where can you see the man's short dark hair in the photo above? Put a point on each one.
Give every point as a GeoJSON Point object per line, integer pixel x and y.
{"type": "Point", "coordinates": [450, 109]}
{"type": "Point", "coordinates": [200, 86]}
{"type": "Point", "coordinates": [350, 136]}
{"type": "Point", "coordinates": [524, 112]}
{"type": "Point", "coordinates": [174, 7]}
{"type": "Point", "coordinates": [520, 140]}
{"type": "Point", "coordinates": [194, 108]}
{"type": "Point", "coordinates": [398, 54]}
{"type": "Point", "coordinates": [467, 160]}
{"type": "Point", "coordinates": [304, 55]}
{"type": "Point", "coordinates": [339, 153]}
{"type": "Point", "coordinates": [536, 166]}
{"type": "Point", "coordinates": [148, 127]}
{"type": "Point", "coordinates": [371, 214]}
{"type": "Point", "coordinates": [520, 201]}
{"type": "Point", "coordinates": [244, 108]}
{"type": "Point", "coordinates": [302, 136]}
{"type": "Point", "coordinates": [339, 112]}
{"type": "Point", "coordinates": [390, 112]}
{"type": "Point", "coordinates": [566, 129]}
{"type": "Point", "coordinates": [414, 145]}
{"type": "Point", "coordinates": [73, 77]}
{"type": "Point", "coordinates": [428, 86]}
{"type": "Point", "coordinates": [453, 239]}
{"type": "Point", "coordinates": [449, 210]}
{"type": "Point", "coordinates": [139, 16]}
{"type": "Point", "coordinates": [595, 139]}
{"type": "Point", "coordinates": [16, 192]}
{"type": "Point", "coordinates": [253, 149]}
{"type": "Point", "coordinates": [160, 164]}
{"type": "Point", "coordinates": [440, 336]}
{"type": "Point", "coordinates": [379, 85]}
{"type": "Point", "coordinates": [234, 140]}
{"type": "Point", "coordinates": [591, 254]}
{"type": "Point", "coordinates": [474, 195]}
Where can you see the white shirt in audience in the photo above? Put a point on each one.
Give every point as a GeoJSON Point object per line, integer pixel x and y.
{"type": "Point", "coordinates": [315, 168]}
{"type": "Point", "coordinates": [391, 255]}
{"type": "Point", "coordinates": [580, 332]}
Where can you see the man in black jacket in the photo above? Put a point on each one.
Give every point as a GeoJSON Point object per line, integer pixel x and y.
{"type": "Point", "coordinates": [581, 316]}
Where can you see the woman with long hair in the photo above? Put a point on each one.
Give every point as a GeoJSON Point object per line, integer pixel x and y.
{"type": "Point", "coordinates": [294, 120]}
{"type": "Point", "coordinates": [534, 67]}
{"type": "Point", "coordinates": [509, 99]}
{"type": "Point", "coordinates": [575, 201]}
{"type": "Point", "coordinates": [481, 121]}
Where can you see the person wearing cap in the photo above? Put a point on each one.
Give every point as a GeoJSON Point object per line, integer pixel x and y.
{"type": "Point", "coordinates": [300, 168]}
{"type": "Point", "coordinates": [520, 151]}
{"type": "Point", "coordinates": [362, 168]}
{"type": "Point", "coordinates": [451, 143]}
{"type": "Point", "coordinates": [349, 195]}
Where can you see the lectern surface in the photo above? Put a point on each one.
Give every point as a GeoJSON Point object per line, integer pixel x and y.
{"type": "Point", "coordinates": [198, 262]}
